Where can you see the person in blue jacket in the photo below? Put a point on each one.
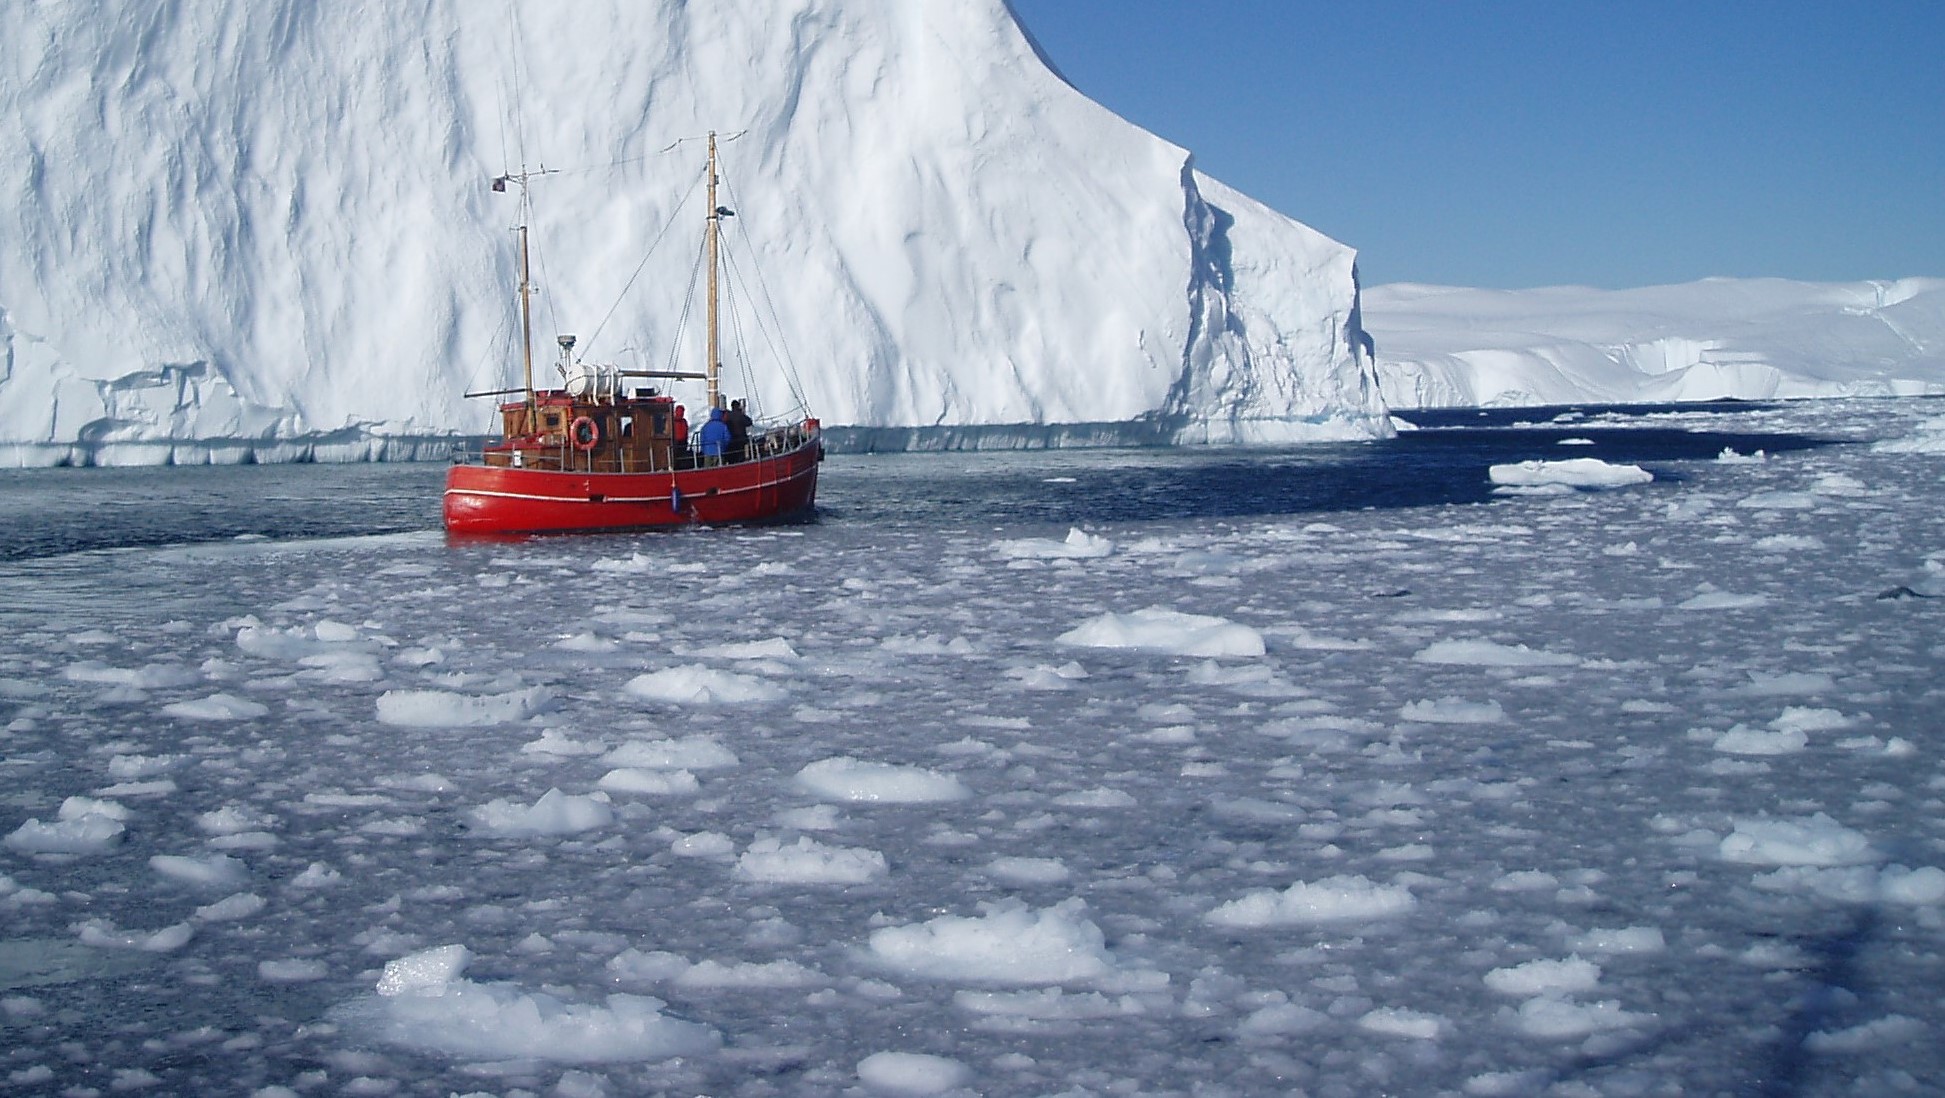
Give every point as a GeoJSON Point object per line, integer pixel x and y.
{"type": "Point", "coordinates": [714, 438]}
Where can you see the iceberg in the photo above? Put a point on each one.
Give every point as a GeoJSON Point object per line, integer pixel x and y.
{"type": "Point", "coordinates": [261, 230]}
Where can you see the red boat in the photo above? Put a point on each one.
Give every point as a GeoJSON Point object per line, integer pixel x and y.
{"type": "Point", "coordinates": [599, 454]}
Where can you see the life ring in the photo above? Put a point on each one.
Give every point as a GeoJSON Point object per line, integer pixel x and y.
{"type": "Point", "coordinates": [585, 432]}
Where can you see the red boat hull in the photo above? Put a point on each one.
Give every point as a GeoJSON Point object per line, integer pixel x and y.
{"type": "Point", "coordinates": [488, 499]}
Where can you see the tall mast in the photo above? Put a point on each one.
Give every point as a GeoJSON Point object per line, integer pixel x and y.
{"type": "Point", "coordinates": [714, 365]}
{"type": "Point", "coordinates": [527, 331]}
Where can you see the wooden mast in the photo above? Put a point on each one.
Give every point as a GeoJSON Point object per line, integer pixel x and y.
{"type": "Point", "coordinates": [527, 325]}
{"type": "Point", "coordinates": [715, 227]}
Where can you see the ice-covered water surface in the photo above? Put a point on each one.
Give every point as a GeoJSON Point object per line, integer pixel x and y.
{"type": "Point", "coordinates": [1603, 789]}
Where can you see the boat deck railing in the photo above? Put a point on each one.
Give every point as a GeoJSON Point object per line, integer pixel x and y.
{"type": "Point", "coordinates": [764, 443]}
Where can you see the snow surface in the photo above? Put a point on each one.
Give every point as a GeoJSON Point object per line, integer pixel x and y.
{"type": "Point", "coordinates": [236, 230]}
{"type": "Point", "coordinates": [1748, 339]}
{"type": "Point", "coordinates": [1543, 819]}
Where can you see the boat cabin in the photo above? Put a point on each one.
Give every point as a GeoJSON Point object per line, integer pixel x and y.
{"type": "Point", "coordinates": [632, 434]}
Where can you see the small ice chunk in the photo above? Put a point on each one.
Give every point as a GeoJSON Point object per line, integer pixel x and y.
{"type": "Point", "coordinates": [291, 971]}
{"type": "Point", "coordinates": [1572, 473]}
{"type": "Point", "coordinates": [687, 753]}
{"type": "Point", "coordinates": [217, 707]}
{"type": "Point", "coordinates": [167, 940]}
{"type": "Point", "coordinates": [1100, 797]}
{"type": "Point", "coordinates": [1744, 740]}
{"type": "Point", "coordinates": [1630, 939]}
{"type": "Point", "coordinates": [241, 905]}
{"type": "Point", "coordinates": [913, 1073]}
{"type": "Point", "coordinates": [1485, 653]}
{"type": "Point", "coordinates": [1009, 944]}
{"type": "Point", "coordinates": [213, 871]}
{"type": "Point", "coordinates": [854, 780]}
{"type": "Point", "coordinates": [654, 783]}
{"type": "Point", "coordinates": [1156, 629]}
{"type": "Point", "coordinates": [555, 813]}
{"type": "Point", "coordinates": [776, 648]}
{"type": "Point", "coordinates": [1544, 977]}
{"type": "Point", "coordinates": [1721, 600]}
{"type": "Point", "coordinates": [1405, 1023]}
{"type": "Point", "coordinates": [84, 825]}
{"type": "Point", "coordinates": [429, 970]}
{"type": "Point", "coordinates": [441, 709]}
{"type": "Point", "coordinates": [1557, 1018]}
{"type": "Point", "coordinates": [423, 1002]}
{"type": "Point", "coordinates": [695, 684]}
{"type": "Point", "coordinates": [1890, 1030]}
{"type": "Point", "coordinates": [809, 862]}
{"type": "Point", "coordinates": [1332, 899]}
{"type": "Point", "coordinates": [1817, 840]}
{"type": "Point", "coordinates": [1078, 545]}
{"type": "Point", "coordinates": [1453, 710]}
{"type": "Point", "coordinates": [1027, 871]}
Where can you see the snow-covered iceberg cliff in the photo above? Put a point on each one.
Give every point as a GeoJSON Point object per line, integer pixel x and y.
{"type": "Point", "coordinates": [1752, 339]}
{"type": "Point", "coordinates": [260, 229]}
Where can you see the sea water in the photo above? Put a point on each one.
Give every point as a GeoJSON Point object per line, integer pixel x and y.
{"type": "Point", "coordinates": [1342, 770]}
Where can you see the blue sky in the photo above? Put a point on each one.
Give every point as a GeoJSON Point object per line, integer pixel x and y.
{"type": "Point", "coordinates": [1515, 143]}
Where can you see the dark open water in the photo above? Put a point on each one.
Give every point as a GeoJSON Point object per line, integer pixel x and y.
{"type": "Point", "coordinates": [46, 512]}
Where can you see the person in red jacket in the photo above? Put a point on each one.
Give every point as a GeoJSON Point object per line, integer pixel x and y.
{"type": "Point", "coordinates": [681, 428]}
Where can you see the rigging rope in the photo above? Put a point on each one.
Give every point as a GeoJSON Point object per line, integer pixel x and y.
{"type": "Point", "coordinates": [646, 256]}
{"type": "Point", "coordinates": [779, 345]}
{"type": "Point", "coordinates": [688, 303]}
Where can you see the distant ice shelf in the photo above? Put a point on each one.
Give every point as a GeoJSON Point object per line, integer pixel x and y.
{"type": "Point", "coordinates": [1750, 339]}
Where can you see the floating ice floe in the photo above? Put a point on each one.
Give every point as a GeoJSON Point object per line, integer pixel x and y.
{"type": "Point", "coordinates": [1027, 871]}
{"type": "Point", "coordinates": [213, 871]}
{"type": "Point", "coordinates": [1743, 740]}
{"type": "Point", "coordinates": [1545, 977]}
{"type": "Point", "coordinates": [694, 684]}
{"type": "Point", "coordinates": [686, 753]}
{"type": "Point", "coordinates": [855, 780]}
{"type": "Point", "coordinates": [1928, 437]}
{"type": "Point", "coordinates": [1892, 1029]}
{"type": "Point", "coordinates": [555, 813]}
{"type": "Point", "coordinates": [217, 707]}
{"type": "Point", "coordinates": [1078, 545]}
{"type": "Point", "coordinates": [1554, 477]}
{"type": "Point", "coordinates": [442, 709]}
{"type": "Point", "coordinates": [1779, 501]}
{"type": "Point", "coordinates": [1557, 1018]}
{"type": "Point", "coordinates": [555, 742]}
{"type": "Point", "coordinates": [422, 1001]}
{"type": "Point", "coordinates": [1815, 841]}
{"type": "Point", "coordinates": [662, 967]}
{"type": "Point", "coordinates": [1332, 899]}
{"type": "Point", "coordinates": [153, 676]}
{"type": "Point", "coordinates": [808, 862]}
{"type": "Point", "coordinates": [1398, 1022]}
{"type": "Point", "coordinates": [1009, 944]}
{"type": "Point", "coordinates": [914, 1073]}
{"type": "Point", "coordinates": [1451, 710]}
{"type": "Point", "coordinates": [100, 932]}
{"type": "Point", "coordinates": [1860, 884]}
{"type": "Point", "coordinates": [1612, 940]}
{"type": "Point", "coordinates": [1485, 653]}
{"type": "Point", "coordinates": [776, 648]}
{"type": "Point", "coordinates": [82, 825]}
{"type": "Point", "coordinates": [1156, 629]}
{"type": "Point", "coordinates": [654, 783]}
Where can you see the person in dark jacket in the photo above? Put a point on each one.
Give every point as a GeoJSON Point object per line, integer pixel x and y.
{"type": "Point", "coordinates": [713, 438]}
{"type": "Point", "coordinates": [739, 423]}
